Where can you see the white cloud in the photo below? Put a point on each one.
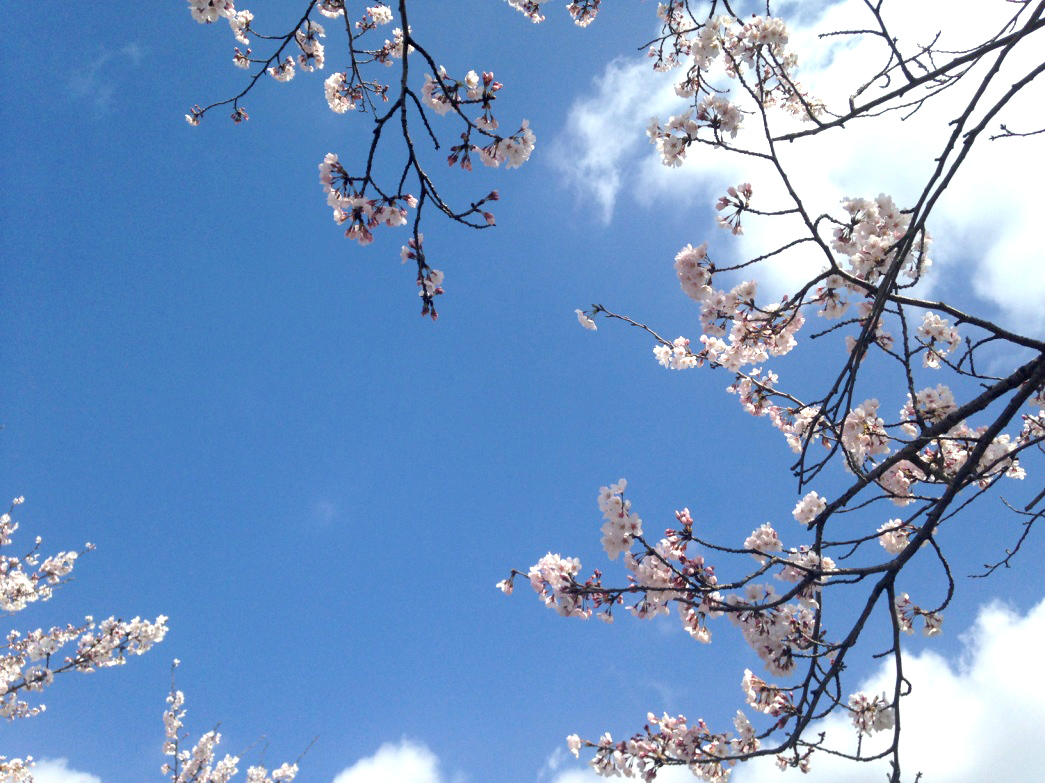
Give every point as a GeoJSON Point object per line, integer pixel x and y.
{"type": "Point", "coordinates": [985, 225]}
{"type": "Point", "coordinates": [403, 762]}
{"type": "Point", "coordinates": [601, 137]}
{"type": "Point", "coordinates": [975, 718]}
{"type": "Point", "coordinates": [58, 771]}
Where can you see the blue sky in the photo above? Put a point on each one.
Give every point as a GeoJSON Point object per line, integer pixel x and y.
{"type": "Point", "coordinates": [246, 415]}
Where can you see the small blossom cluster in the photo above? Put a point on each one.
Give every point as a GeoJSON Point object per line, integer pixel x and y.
{"type": "Point", "coordinates": [863, 434]}
{"type": "Point", "coordinates": [796, 424]}
{"type": "Point", "coordinates": [809, 508]}
{"type": "Point", "coordinates": [881, 338]}
{"type": "Point", "coordinates": [512, 150]}
{"type": "Point", "coordinates": [807, 567]}
{"type": "Point", "coordinates": [948, 454]}
{"type": "Point", "coordinates": [376, 15]}
{"type": "Point", "coordinates": [586, 320]}
{"type": "Point", "coordinates": [583, 12]}
{"type": "Point", "coordinates": [871, 236]}
{"type": "Point", "coordinates": [762, 541]}
{"type": "Point", "coordinates": [16, 770]}
{"type": "Point", "coordinates": [907, 611]}
{"type": "Point", "coordinates": [894, 535]}
{"type": "Point", "coordinates": [939, 339]}
{"type": "Point", "coordinates": [768, 699]}
{"type": "Point", "coordinates": [553, 578]}
{"type": "Point", "coordinates": [350, 206]}
{"type": "Point", "coordinates": [342, 96]}
{"type": "Point", "coordinates": [829, 297]}
{"type": "Point", "coordinates": [928, 407]}
{"type": "Point", "coordinates": [429, 280]}
{"type": "Point", "coordinates": [754, 390]}
{"type": "Point", "coordinates": [442, 95]}
{"type": "Point", "coordinates": [898, 480]}
{"type": "Point", "coordinates": [680, 131]}
{"type": "Point", "coordinates": [753, 332]}
{"type": "Point", "coordinates": [694, 271]}
{"type": "Point", "coordinates": [668, 740]}
{"type": "Point", "coordinates": [621, 526]}
{"type": "Point", "coordinates": [208, 11]}
{"type": "Point", "coordinates": [676, 356]}
{"type": "Point", "coordinates": [775, 633]}
{"type": "Point", "coordinates": [312, 56]}
{"type": "Point", "coordinates": [871, 715]}
{"type": "Point", "coordinates": [200, 763]}
{"type": "Point", "coordinates": [736, 199]}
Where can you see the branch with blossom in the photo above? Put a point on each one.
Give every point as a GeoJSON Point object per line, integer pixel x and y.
{"type": "Point", "coordinates": [946, 448]}
{"type": "Point", "coordinates": [361, 200]}
{"type": "Point", "coordinates": [29, 661]}
{"type": "Point", "coordinates": [957, 431]}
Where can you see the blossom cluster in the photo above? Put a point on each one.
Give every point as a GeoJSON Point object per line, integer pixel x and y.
{"type": "Point", "coordinates": [694, 271]}
{"type": "Point", "coordinates": [668, 739]}
{"type": "Point", "coordinates": [939, 338]}
{"type": "Point", "coordinates": [621, 526]}
{"type": "Point", "coordinates": [873, 234]}
{"type": "Point", "coordinates": [928, 407]}
{"type": "Point", "coordinates": [753, 332]}
{"type": "Point", "coordinates": [583, 12]}
{"type": "Point", "coordinates": [781, 633]}
{"type": "Point", "coordinates": [894, 535]}
{"type": "Point", "coordinates": [737, 199]}
{"type": "Point", "coordinates": [752, 51]}
{"type": "Point", "coordinates": [350, 206]}
{"type": "Point", "coordinates": [739, 332]}
{"type": "Point", "coordinates": [674, 137]}
{"type": "Point", "coordinates": [906, 611]}
{"type": "Point", "coordinates": [200, 763]}
{"type": "Point", "coordinates": [871, 715]}
{"type": "Point", "coordinates": [676, 356]}
{"type": "Point", "coordinates": [29, 661]}
{"type": "Point", "coordinates": [443, 95]}
{"type": "Point", "coordinates": [363, 203]}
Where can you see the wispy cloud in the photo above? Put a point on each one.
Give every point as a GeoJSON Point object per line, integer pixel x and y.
{"type": "Point", "coordinates": [97, 80]}
{"type": "Point", "coordinates": [985, 225]}
{"type": "Point", "coordinates": [601, 139]}
{"type": "Point", "coordinates": [325, 512]}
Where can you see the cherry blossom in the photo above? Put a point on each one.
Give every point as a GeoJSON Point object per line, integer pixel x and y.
{"type": "Point", "coordinates": [939, 339]}
{"type": "Point", "coordinates": [762, 541]}
{"type": "Point", "coordinates": [32, 659]}
{"type": "Point", "coordinates": [809, 508]}
{"type": "Point", "coordinates": [738, 89]}
{"type": "Point", "coordinates": [677, 356]}
{"type": "Point", "coordinates": [586, 320]}
{"type": "Point", "coordinates": [894, 535]}
{"type": "Point", "coordinates": [694, 271]}
{"type": "Point", "coordinates": [200, 763]}
{"type": "Point", "coordinates": [871, 715]}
